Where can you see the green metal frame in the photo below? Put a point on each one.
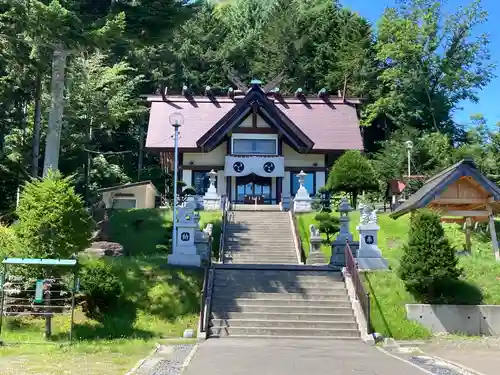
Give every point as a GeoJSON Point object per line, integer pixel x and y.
{"type": "Point", "coordinates": [73, 263]}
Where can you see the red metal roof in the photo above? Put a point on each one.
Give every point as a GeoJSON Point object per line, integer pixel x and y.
{"type": "Point", "coordinates": [330, 125]}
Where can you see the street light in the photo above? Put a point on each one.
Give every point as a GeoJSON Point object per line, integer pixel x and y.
{"type": "Point", "coordinates": [176, 120]}
{"type": "Point", "coordinates": [409, 147]}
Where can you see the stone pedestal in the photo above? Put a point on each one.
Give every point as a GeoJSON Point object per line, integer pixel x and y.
{"type": "Point", "coordinates": [211, 200]}
{"type": "Point", "coordinates": [302, 201]}
{"type": "Point", "coordinates": [315, 240]}
{"type": "Point", "coordinates": [285, 202]}
{"type": "Point", "coordinates": [184, 248]}
{"type": "Point", "coordinates": [338, 246]}
{"type": "Point", "coordinates": [369, 255]}
{"type": "Point", "coordinates": [202, 243]}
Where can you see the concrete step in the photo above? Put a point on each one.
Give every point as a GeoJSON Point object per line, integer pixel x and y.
{"type": "Point", "coordinates": [232, 303]}
{"type": "Point", "coordinates": [282, 331]}
{"type": "Point", "coordinates": [284, 316]}
{"type": "Point", "coordinates": [222, 286]}
{"type": "Point", "coordinates": [262, 251]}
{"type": "Point", "coordinates": [281, 296]}
{"type": "Point", "coordinates": [261, 323]}
{"type": "Point", "coordinates": [280, 309]}
{"type": "Point", "coordinates": [259, 262]}
{"type": "Point", "coordinates": [261, 236]}
{"type": "Point", "coordinates": [276, 277]}
{"type": "Point", "coordinates": [249, 256]}
{"type": "Point", "coordinates": [281, 291]}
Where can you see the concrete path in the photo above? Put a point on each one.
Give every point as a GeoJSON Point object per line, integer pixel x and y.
{"type": "Point", "coordinates": [287, 356]}
{"type": "Point", "coordinates": [481, 360]}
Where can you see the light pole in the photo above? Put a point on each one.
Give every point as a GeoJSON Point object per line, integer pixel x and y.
{"type": "Point", "coordinates": [409, 147]}
{"type": "Point", "coordinates": [176, 120]}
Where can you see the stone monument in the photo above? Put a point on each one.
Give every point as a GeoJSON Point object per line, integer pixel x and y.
{"type": "Point", "coordinates": [344, 235]}
{"type": "Point", "coordinates": [369, 255]}
{"type": "Point", "coordinates": [211, 200]}
{"type": "Point", "coordinates": [184, 251]}
{"type": "Point", "coordinates": [302, 201]}
{"type": "Point", "coordinates": [315, 254]}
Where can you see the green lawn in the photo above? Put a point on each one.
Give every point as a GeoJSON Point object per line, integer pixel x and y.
{"type": "Point", "coordinates": [162, 301]}
{"type": "Point", "coordinates": [482, 273]}
{"type": "Point", "coordinates": [148, 231]}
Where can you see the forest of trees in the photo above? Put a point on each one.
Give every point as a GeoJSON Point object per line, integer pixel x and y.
{"type": "Point", "coordinates": [72, 73]}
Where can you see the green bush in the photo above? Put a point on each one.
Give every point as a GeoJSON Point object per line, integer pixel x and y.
{"type": "Point", "coordinates": [352, 173]}
{"type": "Point", "coordinates": [53, 222]}
{"type": "Point", "coordinates": [429, 264]}
{"type": "Point", "coordinates": [328, 224]}
{"type": "Point", "coordinates": [101, 288]}
{"type": "Point", "coordinates": [9, 243]}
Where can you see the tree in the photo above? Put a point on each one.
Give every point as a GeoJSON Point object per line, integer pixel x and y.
{"type": "Point", "coordinates": [53, 222]}
{"type": "Point", "coordinates": [429, 64]}
{"type": "Point", "coordinates": [352, 173]}
{"type": "Point", "coordinates": [429, 266]}
{"type": "Point", "coordinates": [328, 224]}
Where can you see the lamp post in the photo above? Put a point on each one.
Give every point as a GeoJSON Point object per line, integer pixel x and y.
{"type": "Point", "coordinates": [176, 120]}
{"type": "Point", "coordinates": [409, 147]}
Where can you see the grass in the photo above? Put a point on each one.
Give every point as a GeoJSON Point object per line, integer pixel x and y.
{"type": "Point", "coordinates": [161, 302]}
{"type": "Point", "coordinates": [388, 313]}
{"type": "Point", "coordinates": [149, 231]}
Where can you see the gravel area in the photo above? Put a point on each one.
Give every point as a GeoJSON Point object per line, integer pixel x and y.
{"type": "Point", "coordinates": [435, 366]}
{"type": "Point", "coordinates": [167, 360]}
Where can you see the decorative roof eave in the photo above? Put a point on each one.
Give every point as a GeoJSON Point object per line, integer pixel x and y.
{"type": "Point", "coordinates": [438, 183]}
{"type": "Point", "coordinates": [297, 139]}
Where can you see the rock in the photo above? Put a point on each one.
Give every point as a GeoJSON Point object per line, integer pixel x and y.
{"type": "Point", "coordinates": [188, 333]}
{"type": "Point", "coordinates": [105, 248]}
{"type": "Point", "coordinates": [390, 343]}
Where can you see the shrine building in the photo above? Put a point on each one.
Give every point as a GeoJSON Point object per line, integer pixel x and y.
{"type": "Point", "coordinates": [255, 139]}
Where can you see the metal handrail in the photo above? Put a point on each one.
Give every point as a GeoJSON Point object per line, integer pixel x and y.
{"type": "Point", "coordinates": [225, 209]}
{"type": "Point", "coordinates": [208, 301]}
{"type": "Point", "coordinates": [303, 257]}
{"type": "Point", "coordinates": [203, 298]}
{"type": "Point", "coordinates": [362, 295]}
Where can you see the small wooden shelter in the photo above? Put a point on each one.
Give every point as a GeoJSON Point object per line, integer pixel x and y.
{"type": "Point", "coordinates": [461, 194]}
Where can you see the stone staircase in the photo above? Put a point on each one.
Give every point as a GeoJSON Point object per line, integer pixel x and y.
{"type": "Point", "coordinates": [259, 237]}
{"type": "Point", "coordinates": [291, 302]}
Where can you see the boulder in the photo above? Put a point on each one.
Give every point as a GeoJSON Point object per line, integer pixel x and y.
{"type": "Point", "coordinates": [105, 248]}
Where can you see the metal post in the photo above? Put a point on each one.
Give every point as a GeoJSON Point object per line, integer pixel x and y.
{"type": "Point", "coordinates": [176, 167]}
{"type": "Point", "coordinates": [3, 278]}
{"type": "Point", "coordinates": [75, 279]}
{"type": "Point", "coordinates": [409, 163]}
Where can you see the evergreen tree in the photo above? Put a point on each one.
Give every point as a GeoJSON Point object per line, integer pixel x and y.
{"type": "Point", "coordinates": [352, 173]}
{"type": "Point", "coordinates": [429, 263]}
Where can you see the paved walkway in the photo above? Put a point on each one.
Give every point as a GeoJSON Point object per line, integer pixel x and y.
{"type": "Point", "coordinates": [287, 356]}
{"type": "Point", "coordinates": [483, 360]}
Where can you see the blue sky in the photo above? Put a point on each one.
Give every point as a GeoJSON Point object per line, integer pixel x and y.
{"type": "Point", "coordinates": [489, 103]}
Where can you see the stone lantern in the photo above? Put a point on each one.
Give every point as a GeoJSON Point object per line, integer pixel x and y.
{"type": "Point", "coordinates": [211, 200]}
{"type": "Point", "coordinates": [302, 201]}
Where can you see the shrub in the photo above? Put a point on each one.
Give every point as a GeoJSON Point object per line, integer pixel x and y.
{"type": "Point", "coordinates": [328, 224]}
{"type": "Point", "coordinates": [9, 243]}
{"type": "Point", "coordinates": [101, 288]}
{"type": "Point", "coordinates": [352, 173]}
{"type": "Point", "coordinates": [429, 263]}
{"type": "Point", "coordinates": [53, 222]}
